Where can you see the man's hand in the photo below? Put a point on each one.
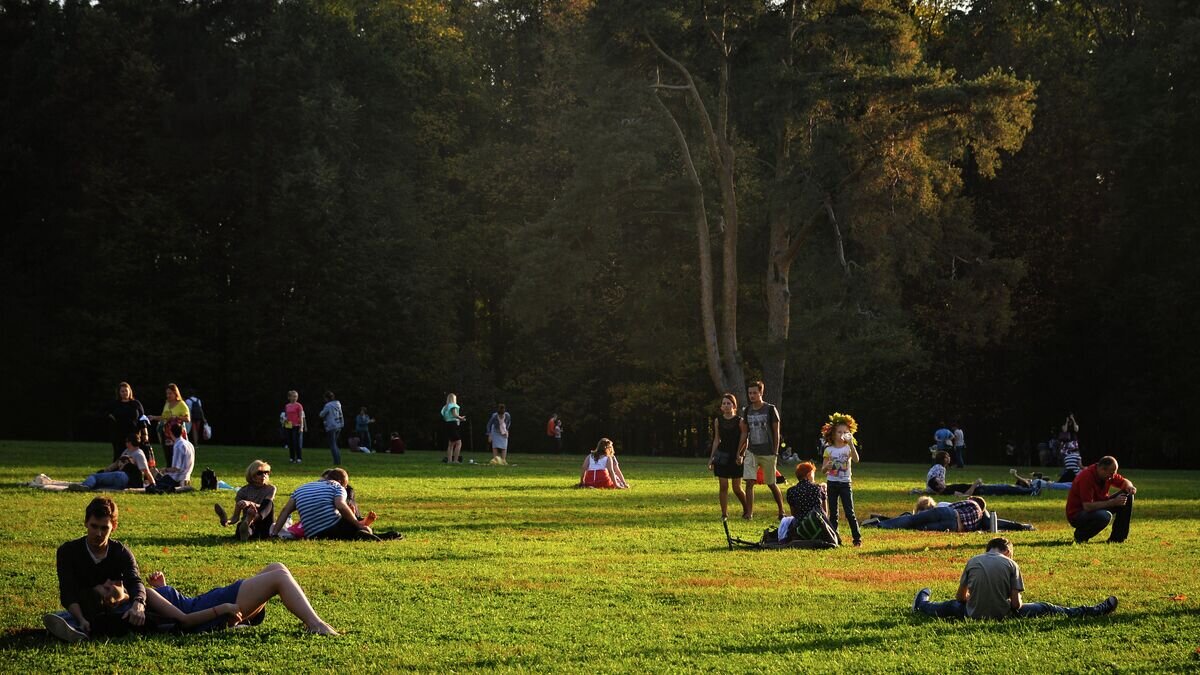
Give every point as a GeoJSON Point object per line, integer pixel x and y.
{"type": "Point", "coordinates": [1131, 489]}
{"type": "Point", "coordinates": [136, 615]}
{"type": "Point", "coordinates": [1118, 500]}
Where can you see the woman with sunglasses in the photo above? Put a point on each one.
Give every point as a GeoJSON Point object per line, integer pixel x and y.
{"type": "Point", "coordinates": [255, 504]}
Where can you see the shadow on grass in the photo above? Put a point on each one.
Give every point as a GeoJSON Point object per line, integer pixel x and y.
{"type": "Point", "coordinates": [25, 638]}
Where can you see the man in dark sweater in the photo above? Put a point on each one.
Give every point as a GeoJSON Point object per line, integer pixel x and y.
{"type": "Point", "coordinates": [87, 562]}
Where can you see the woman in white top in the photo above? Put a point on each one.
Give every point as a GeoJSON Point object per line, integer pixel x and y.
{"type": "Point", "coordinates": [600, 468]}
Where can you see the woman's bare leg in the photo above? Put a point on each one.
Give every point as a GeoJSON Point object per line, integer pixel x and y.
{"type": "Point", "coordinates": [739, 493]}
{"type": "Point", "coordinates": [723, 495]}
{"type": "Point", "coordinates": [275, 579]}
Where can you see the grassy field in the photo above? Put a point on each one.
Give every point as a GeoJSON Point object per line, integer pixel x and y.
{"type": "Point", "coordinates": [508, 568]}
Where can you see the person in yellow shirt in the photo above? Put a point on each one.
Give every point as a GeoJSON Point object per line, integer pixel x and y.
{"type": "Point", "coordinates": [174, 411]}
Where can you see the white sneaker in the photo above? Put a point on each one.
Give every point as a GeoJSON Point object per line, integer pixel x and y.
{"type": "Point", "coordinates": [61, 629]}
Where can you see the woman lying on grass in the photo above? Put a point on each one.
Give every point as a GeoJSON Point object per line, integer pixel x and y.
{"type": "Point", "coordinates": [242, 602]}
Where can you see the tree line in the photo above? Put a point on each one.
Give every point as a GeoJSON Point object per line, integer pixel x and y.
{"type": "Point", "coordinates": [915, 210]}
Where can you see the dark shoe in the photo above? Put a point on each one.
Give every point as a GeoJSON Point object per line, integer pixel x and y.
{"type": "Point", "coordinates": [921, 597]}
{"type": "Point", "coordinates": [221, 514]}
{"type": "Point", "coordinates": [78, 487]}
{"type": "Point", "coordinates": [445, 460]}
{"type": "Point", "coordinates": [858, 543]}
{"type": "Point", "coordinates": [876, 516]}
{"type": "Point", "coordinates": [61, 629]}
{"type": "Point", "coordinates": [1108, 606]}
{"type": "Point", "coordinates": [1028, 527]}
{"type": "Point", "coordinates": [243, 530]}
{"type": "Point", "coordinates": [390, 535]}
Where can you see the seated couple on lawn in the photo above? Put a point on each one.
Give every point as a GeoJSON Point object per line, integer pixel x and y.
{"type": "Point", "coordinates": [328, 511]}
{"type": "Point", "coordinates": [131, 470]}
{"type": "Point", "coordinates": [101, 591]}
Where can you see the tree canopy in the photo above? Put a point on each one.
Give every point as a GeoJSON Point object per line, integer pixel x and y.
{"type": "Point", "coordinates": [914, 210]}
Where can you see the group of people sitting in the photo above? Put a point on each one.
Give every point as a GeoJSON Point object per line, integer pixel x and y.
{"type": "Point", "coordinates": [326, 507]}
{"type": "Point", "coordinates": [133, 468]}
{"type": "Point", "coordinates": [935, 479]}
{"type": "Point", "coordinates": [102, 593]}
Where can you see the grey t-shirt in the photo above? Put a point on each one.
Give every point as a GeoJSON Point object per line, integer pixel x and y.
{"type": "Point", "coordinates": [761, 438]}
{"type": "Point", "coordinates": [991, 577]}
{"type": "Point", "coordinates": [256, 493]}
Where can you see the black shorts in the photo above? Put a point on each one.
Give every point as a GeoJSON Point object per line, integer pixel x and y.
{"type": "Point", "coordinates": [452, 432]}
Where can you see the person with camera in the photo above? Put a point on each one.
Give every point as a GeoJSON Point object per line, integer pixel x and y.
{"type": "Point", "coordinates": [1090, 507]}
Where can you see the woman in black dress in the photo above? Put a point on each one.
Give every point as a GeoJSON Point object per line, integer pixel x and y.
{"type": "Point", "coordinates": [123, 415]}
{"type": "Point", "coordinates": [726, 460]}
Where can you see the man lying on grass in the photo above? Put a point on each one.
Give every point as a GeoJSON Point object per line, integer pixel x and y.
{"type": "Point", "coordinates": [86, 562]}
{"type": "Point", "coordinates": [242, 602]}
{"type": "Point", "coordinates": [991, 588]}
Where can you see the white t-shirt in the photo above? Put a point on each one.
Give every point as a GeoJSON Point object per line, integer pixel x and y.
{"type": "Point", "coordinates": [958, 438]}
{"type": "Point", "coordinates": [597, 464]}
{"type": "Point", "coordinates": [840, 456]}
{"type": "Point", "coordinates": [183, 459]}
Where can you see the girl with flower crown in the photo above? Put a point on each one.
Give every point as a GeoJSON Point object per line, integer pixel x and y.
{"type": "Point", "coordinates": [840, 453]}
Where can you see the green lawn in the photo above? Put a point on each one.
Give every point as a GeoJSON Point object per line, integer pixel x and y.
{"type": "Point", "coordinates": [509, 568]}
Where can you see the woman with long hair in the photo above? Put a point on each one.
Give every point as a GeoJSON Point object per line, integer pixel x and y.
{"type": "Point", "coordinates": [601, 470]}
{"type": "Point", "coordinates": [123, 415]}
{"type": "Point", "coordinates": [451, 419]}
{"type": "Point", "coordinates": [174, 411]}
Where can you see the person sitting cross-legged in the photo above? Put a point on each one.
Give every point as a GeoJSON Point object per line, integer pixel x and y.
{"type": "Point", "coordinates": [991, 587]}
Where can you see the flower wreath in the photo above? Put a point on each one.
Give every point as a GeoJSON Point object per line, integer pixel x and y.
{"type": "Point", "coordinates": [836, 419]}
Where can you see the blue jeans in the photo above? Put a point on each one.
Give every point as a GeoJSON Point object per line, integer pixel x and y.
{"type": "Point", "coordinates": [333, 446]}
{"type": "Point", "coordinates": [1002, 489]}
{"type": "Point", "coordinates": [295, 442]}
{"type": "Point", "coordinates": [109, 480]}
{"type": "Point", "coordinates": [845, 491]}
{"type": "Point", "coordinates": [1091, 523]}
{"type": "Point", "coordinates": [939, 519]}
{"type": "Point", "coordinates": [1032, 609]}
{"type": "Point", "coordinates": [951, 609]}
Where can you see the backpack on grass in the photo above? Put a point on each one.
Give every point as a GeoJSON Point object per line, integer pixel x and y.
{"type": "Point", "coordinates": [208, 480]}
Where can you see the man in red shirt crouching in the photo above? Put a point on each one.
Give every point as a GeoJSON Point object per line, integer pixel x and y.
{"type": "Point", "coordinates": [1090, 508]}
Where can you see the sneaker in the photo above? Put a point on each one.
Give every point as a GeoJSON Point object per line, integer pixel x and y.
{"type": "Point", "coordinates": [221, 514]}
{"type": "Point", "coordinates": [1028, 527]}
{"type": "Point", "coordinates": [921, 597]}
{"type": "Point", "coordinates": [61, 629]}
{"type": "Point", "coordinates": [1108, 606]}
{"type": "Point", "coordinates": [876, 516]}
{"type": "Point", "coordinates": [243, 530]}
{"type": "Point", "coordinates": [858, 543]}
{"type": "Point", "coordinates": [299, 461]}
{"type": "Point", "coordinates": [78, 487]}
{"type": "Point", "coordinates": [873, 521]}
{"type": "Point", "coordinates": [291, 461]}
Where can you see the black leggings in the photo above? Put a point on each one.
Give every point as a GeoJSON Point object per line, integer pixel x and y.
{"type": "Point", "coordinates": [949, 489]}
{"type": "Point", "coordinates": [344, 530]}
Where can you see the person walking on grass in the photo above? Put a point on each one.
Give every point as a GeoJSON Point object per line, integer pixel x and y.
{"type": "Point", "coordinates": [759, 446]}
{"type": "Point", "coordinates": [1090, 507]}
{"type": "Point", "coordinates": [451, 420]}
{"type": "Point", "coordinates": [959, 443]}
{"type": "Point", "coordinates": [991, 587]}
{"type": "Point", "coordinates": [295, 424]}
{"type": "Point", "coordinates": [331, 414]}
{"type": "Point", "coordinates": [86, 562]}
{"type": "Point", "coordinates": [242, 603]}
{"type": "Point", "coordinates": [725, 458]}
{"type": "Point", "coordinates": [254, 504]}
{"type": "Point", "coordinates": [498, 427]}
{"type": "Point", "coordinates": [840, 453]}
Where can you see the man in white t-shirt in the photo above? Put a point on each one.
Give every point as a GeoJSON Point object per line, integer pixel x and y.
{"type": "Point", "coordinates": [959, 444]}
{"type": "Point", "coordinates": [183, 459]}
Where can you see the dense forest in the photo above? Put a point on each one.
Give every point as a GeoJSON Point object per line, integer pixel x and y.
{"type": "Point", "coordinates": [912, 210]}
